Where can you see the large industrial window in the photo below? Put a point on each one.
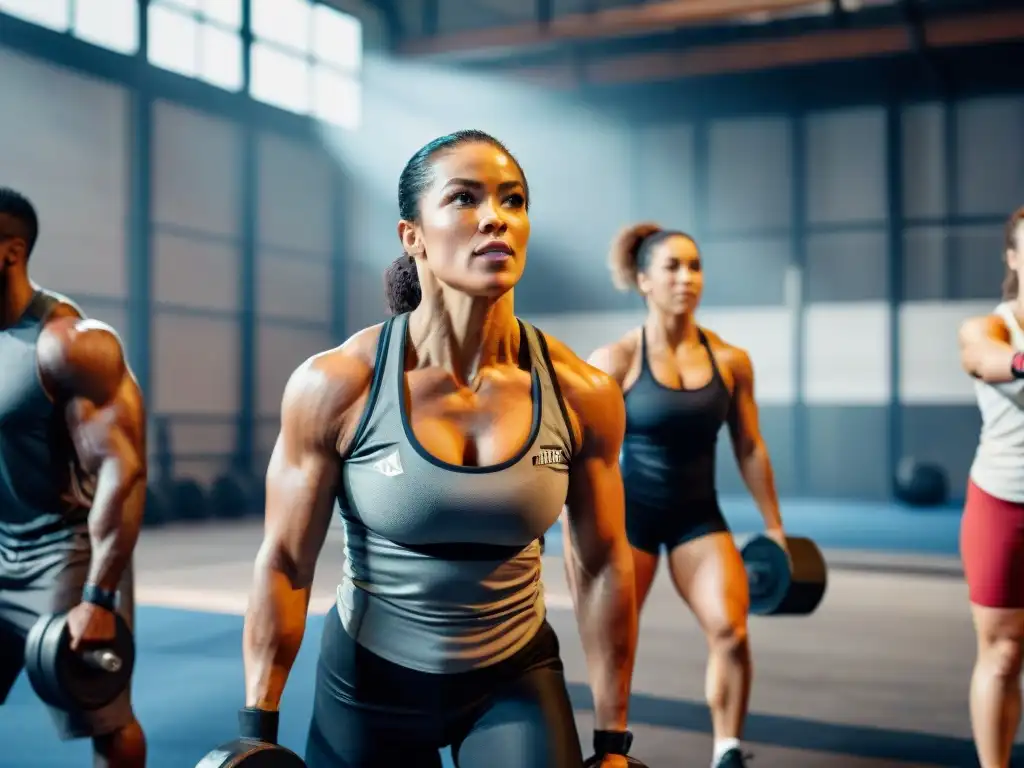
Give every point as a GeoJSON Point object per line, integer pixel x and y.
{"type": "Point", "coordinates": [111, 24]}
{"type": "Point", "coordinates": [307, 58]}
{"type": "Point", "coordinates": [198, 38]}
{"type": "Point", "coordinates": [55, 14]}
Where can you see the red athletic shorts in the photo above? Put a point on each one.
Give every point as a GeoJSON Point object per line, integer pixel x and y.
{"type": "Point", "coordinates": [992, 549]}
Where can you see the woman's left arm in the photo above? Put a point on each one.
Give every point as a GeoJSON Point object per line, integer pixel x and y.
{"type": "Point", "coordinates": [751, 453]}
{"type": "Point", "coordinates": [599, 559]}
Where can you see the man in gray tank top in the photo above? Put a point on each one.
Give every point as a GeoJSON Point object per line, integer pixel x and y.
{"type": "Point", "coordinates": [72, 479]}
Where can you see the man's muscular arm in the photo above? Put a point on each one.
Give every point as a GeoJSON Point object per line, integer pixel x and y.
{"type": "Point", "coordinates": [84, 370]}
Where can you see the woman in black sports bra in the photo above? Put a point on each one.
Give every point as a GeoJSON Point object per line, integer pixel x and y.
{"type": "Point", "coordinates": [682, 384]}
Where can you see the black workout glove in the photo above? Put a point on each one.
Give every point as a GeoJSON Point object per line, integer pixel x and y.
{"type": "Point", "coordinates": [258, 724]}
{"type": "Point", "coordinates": [612, 743]}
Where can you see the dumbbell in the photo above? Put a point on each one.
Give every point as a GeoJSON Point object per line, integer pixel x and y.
{"type": "Point", "coordinates": [250, 753]}
{"type": "Point", "coordinates": [775, 588]}
{"type": "Point", "coordinates": [632, 762]}
{"type": "Point", "coordinates": [257, 748]}
{"type": "Point", "coordinates": [77, 681]}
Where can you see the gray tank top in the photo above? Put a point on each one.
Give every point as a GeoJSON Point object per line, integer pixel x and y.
{"type": "Point", "coordinates": [442, 568]}
{"type": "Point", "coordinates": [44, 497]}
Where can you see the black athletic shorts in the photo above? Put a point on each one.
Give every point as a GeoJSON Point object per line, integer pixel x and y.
{"type": "Point", "coordinates": [651, 527]}
{"type": "Point", "coordinates": [370, 713]}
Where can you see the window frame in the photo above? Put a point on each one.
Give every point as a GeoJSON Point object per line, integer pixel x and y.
{"type": "Point", "coordinates": [313, 63]}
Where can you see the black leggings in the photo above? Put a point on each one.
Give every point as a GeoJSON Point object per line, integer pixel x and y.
{"type": "Point", "coordinates": [370, 713]}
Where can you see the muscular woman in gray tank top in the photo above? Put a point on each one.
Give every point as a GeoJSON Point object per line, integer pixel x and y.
{"type": "Point", "coordinates": [452, 435]}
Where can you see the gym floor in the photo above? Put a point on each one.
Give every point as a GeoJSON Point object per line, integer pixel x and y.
{"type": "Point", "coordinates": [877, 677]}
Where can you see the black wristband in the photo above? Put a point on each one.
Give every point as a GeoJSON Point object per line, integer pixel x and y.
{"type": "Point", "coordinates": [612, 742]}
{"type": "Point", "coordinates": [97, 595]}
{"type": "Point", "coordinates": [1017, 365]}
{"type": "Point", "coordinates": [258, 724]}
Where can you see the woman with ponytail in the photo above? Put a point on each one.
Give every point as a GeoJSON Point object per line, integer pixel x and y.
{"type": "Point", "coordinates": [682, 383]}
{"type": "Point", "coordinates": [452, 436]}
{"type": "Point", "coordinates": [992, 528]}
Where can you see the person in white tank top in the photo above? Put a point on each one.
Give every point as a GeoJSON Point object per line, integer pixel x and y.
{"type": "Point", "coordinates": [992, 529]}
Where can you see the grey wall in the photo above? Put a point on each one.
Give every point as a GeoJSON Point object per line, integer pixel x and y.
{"type": "Point", "coordinates": [806, 251]}
{"type": "Point", "coordinates": [802, 237]}
{"type": "Point", "coordinates": [68, 147]}
{"type": "Point", "coordinates": [793, 212]}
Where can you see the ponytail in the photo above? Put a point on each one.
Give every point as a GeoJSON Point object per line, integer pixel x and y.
{"type": "Point", "coordinates": [624, 258]}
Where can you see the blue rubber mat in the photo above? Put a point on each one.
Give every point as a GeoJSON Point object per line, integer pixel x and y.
{"type": "Point", "coordinates": [189, 679]}
{"type": "Point", "coordinates": [189, 686]}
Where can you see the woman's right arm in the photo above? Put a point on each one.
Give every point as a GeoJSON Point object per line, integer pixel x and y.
{"type": "Point", "coordinates": [985, 350]}
{"type": "Point", "coordinates": [613, 359]}
{"type": "Point", "coordinates": [302, 480]}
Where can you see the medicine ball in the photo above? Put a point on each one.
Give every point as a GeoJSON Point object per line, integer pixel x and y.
{"type": "Point", "coordinates": [921, 484]}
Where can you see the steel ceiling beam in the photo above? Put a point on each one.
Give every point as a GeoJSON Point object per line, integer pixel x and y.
{"type": "Point", "coordinates": [630, 21]}
{"type": "Point", "coordinates": [808, 49]}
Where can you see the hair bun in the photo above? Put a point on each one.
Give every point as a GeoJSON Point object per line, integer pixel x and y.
{"type": "Point", "coordinates": [402, 285]}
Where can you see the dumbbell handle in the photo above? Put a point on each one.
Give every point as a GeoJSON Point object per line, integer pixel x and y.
{"type": "Point", "coordinates": [104, 659]}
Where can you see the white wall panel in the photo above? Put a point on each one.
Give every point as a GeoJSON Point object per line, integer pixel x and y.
{"type": "Point", "coordinates": [195, 272]}
{"type": "Point", "coordinates": [294, 195]}
{"type": "Point", "coordinates": [294, 287]}
{"type": "Point", "coordinates": [280, 350]}
{"type": "Point", "coordinates": [924, 160]}
{"type": "Point", "coordinates": [749, 174]}
{"type": "Point", "coordinates": [196, 170]}
{"type": "Point", "coordinates": [65, 145]}
{"type": "Point", "coordinates": [195, 364]}
{"type": "Point", "coordinates": [846, 355]}
{"type": "Point", "coordinates": [217, 436]}
{"type": "Point", "coordinates": [846, 166]}
{"type": "Point", "coordinates": [990, 156]}
{"type": "Point", "coordinates": [665, 194]}
{"type": "Point", "coordinates": [930, 370]}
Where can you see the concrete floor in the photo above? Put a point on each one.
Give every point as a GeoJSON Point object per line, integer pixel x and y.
{"type": "Point", "coordinates": [877, 677]}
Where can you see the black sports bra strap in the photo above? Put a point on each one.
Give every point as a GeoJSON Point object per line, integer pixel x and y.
{"type": "Point", "coordinates": [644, 365]}
{"type": "Point", "coordinates": [525, 362]}
{"type": "Point", "coordinates": [711, 355]}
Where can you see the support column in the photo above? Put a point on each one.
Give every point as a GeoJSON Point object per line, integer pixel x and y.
{"type": "Point", "coordinates": [245, 436]}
